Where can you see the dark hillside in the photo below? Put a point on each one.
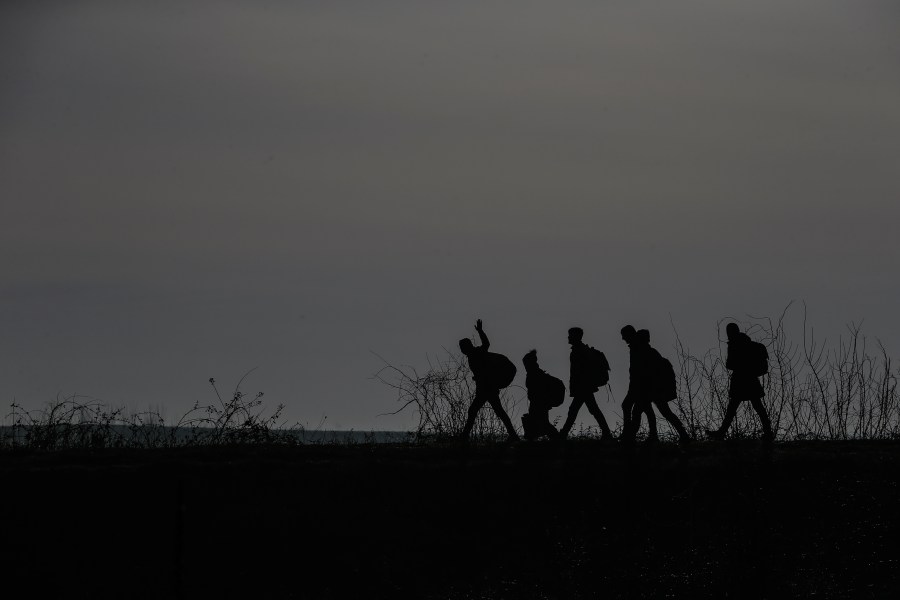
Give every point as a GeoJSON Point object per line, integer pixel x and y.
{"type": "Point", "coordinates": [524, 521]}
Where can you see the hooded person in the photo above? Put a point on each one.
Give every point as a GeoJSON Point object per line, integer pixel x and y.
{"type": "Point", "coordinates": [743, 362]}
{"type": "Point", "coordinates": [544, 392]}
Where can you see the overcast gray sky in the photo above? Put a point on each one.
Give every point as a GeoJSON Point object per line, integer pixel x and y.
{"type": "Point", "coordinates": [190, 190]}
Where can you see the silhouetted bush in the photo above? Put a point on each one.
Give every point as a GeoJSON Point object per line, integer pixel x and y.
{"type": "Point", "coordinates": [813, 391]}
{"type": "Point", "coordinates": [85, 422]}
{"type": "Point", "coordinates": [440, 398]}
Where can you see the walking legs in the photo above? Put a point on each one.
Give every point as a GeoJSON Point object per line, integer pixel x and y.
{"type": "Point", "coordinates": [594, 409]}
{"type": "Point", "coordinates": [477, 403]}
{"type": "Point", "coordinates": [504, 418]}
{"type": "Point", "coordinates": [627, 418]}
{"type": "Point", "coordinates": [731, 411]}
{"type": "Point", "coordinates": [494, 400]}
{"type": "Point", "coordinates": [631, 413]}
{"type": "Point", "coordinates": [638, 408]}
{"type": "Point", "coordinates": [763, 417]}
{"type": "Point", "coordinates": [570, 418]}
{"type": "Point", "coordinates": [674, 421]}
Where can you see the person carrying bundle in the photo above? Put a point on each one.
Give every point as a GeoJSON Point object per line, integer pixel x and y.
{"type": "Point", "coordinates": [492, 372]}
{"type": "Point", "coordinates": [544, 392]}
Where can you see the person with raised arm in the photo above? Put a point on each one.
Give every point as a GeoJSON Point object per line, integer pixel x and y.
{"type": "Point", "coordinates": [491, 372]}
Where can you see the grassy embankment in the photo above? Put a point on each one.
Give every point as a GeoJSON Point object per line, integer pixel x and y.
{"type": "Point", "coordinates": [578, 520]}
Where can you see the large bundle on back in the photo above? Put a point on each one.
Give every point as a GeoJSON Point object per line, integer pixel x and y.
{"type": "Point", "coordinates": [499, 371]}
{"type": "Point", "coordinates": [546, 389]}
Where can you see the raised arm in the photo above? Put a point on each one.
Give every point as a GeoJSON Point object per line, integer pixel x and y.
{"type": "Point", "coordinates": [485, 342]}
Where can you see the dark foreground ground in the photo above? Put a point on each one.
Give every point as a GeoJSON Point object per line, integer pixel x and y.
{"type": "Point", "coordinates": [583, 520]}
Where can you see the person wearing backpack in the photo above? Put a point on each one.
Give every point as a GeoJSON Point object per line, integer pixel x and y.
{"type": "Point", "coordinates": [748, 361]}
{"type": "Point", "coordinates": [663, 386]}
{"type": "Point", "coordinates": [491, 372]}
{"type": "Point", "coordinates": [544, 392]}
{"type": "Point", "coordinates": [589, 370]}
{"type": "Point", "coordinates": [638, 398]}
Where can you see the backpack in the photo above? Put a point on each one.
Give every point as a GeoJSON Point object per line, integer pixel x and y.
{"type": "Point", "coordinates": [599, 367]}
{"type": "Point", "coordinates": [757, 359]}
{"type": "Point", "coordinates": [500, 371]}
{"type": "Point", "coordinates": [666, 382]}
{"type": "Point", "coordinates": [554, 390]}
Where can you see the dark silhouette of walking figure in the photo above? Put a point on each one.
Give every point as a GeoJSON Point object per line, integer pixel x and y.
{"type": "Point", "coordinates": [637, 398]}
{"type": "Point", "coordinates": [544, 392]}
{"type": "Point", "coordinates": [748, 361]}
{"type": "Point", "coordinates": [491, 373]}
{"type": "Point", "coordinates": [651, 383]}
{"type": "Point", "coordinates": [588, 371]}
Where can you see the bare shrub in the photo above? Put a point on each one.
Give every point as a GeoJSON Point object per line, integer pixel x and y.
{"type": "Point", "coordinates": [83, 422]}
{"type": "Point", "coordinates": [813, 390]}
{"type": "Point", "coordinates": [72, 422]}
{"type": "Point", "coordinates": [441, 395]}
{"type": "Point", "coordinates": [238, 420]}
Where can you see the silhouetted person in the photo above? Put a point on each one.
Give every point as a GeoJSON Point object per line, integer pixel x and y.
{"type": "Point", "coordinates": [588, 371]}
{"type": "Point", "coordinates": [654, 385]}
{"type": "Point", "coordinates": [664, 387]}
{"type": "Point", "coordinates": [637, 399]}
{"type": "Point", "coordinates": [485, 368]}
{"type": "Point", "coordinates": [748, 361]}
{"type": "Point", "coordinates": [544, 392]}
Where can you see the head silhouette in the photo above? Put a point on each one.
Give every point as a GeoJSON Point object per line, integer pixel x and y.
{"type": "Point", "coordinates": [466, 346]}
{"type": "Point", "coordinates": [628, 334]}
{"type": "Point", "coordinates": [575, 335]}
{"type": "Point", "coordinates": [643, 336]}
{"type": "Point", "coordinates": [731, 330]}
{"type": "Point", "coordinates": [530, 360]}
